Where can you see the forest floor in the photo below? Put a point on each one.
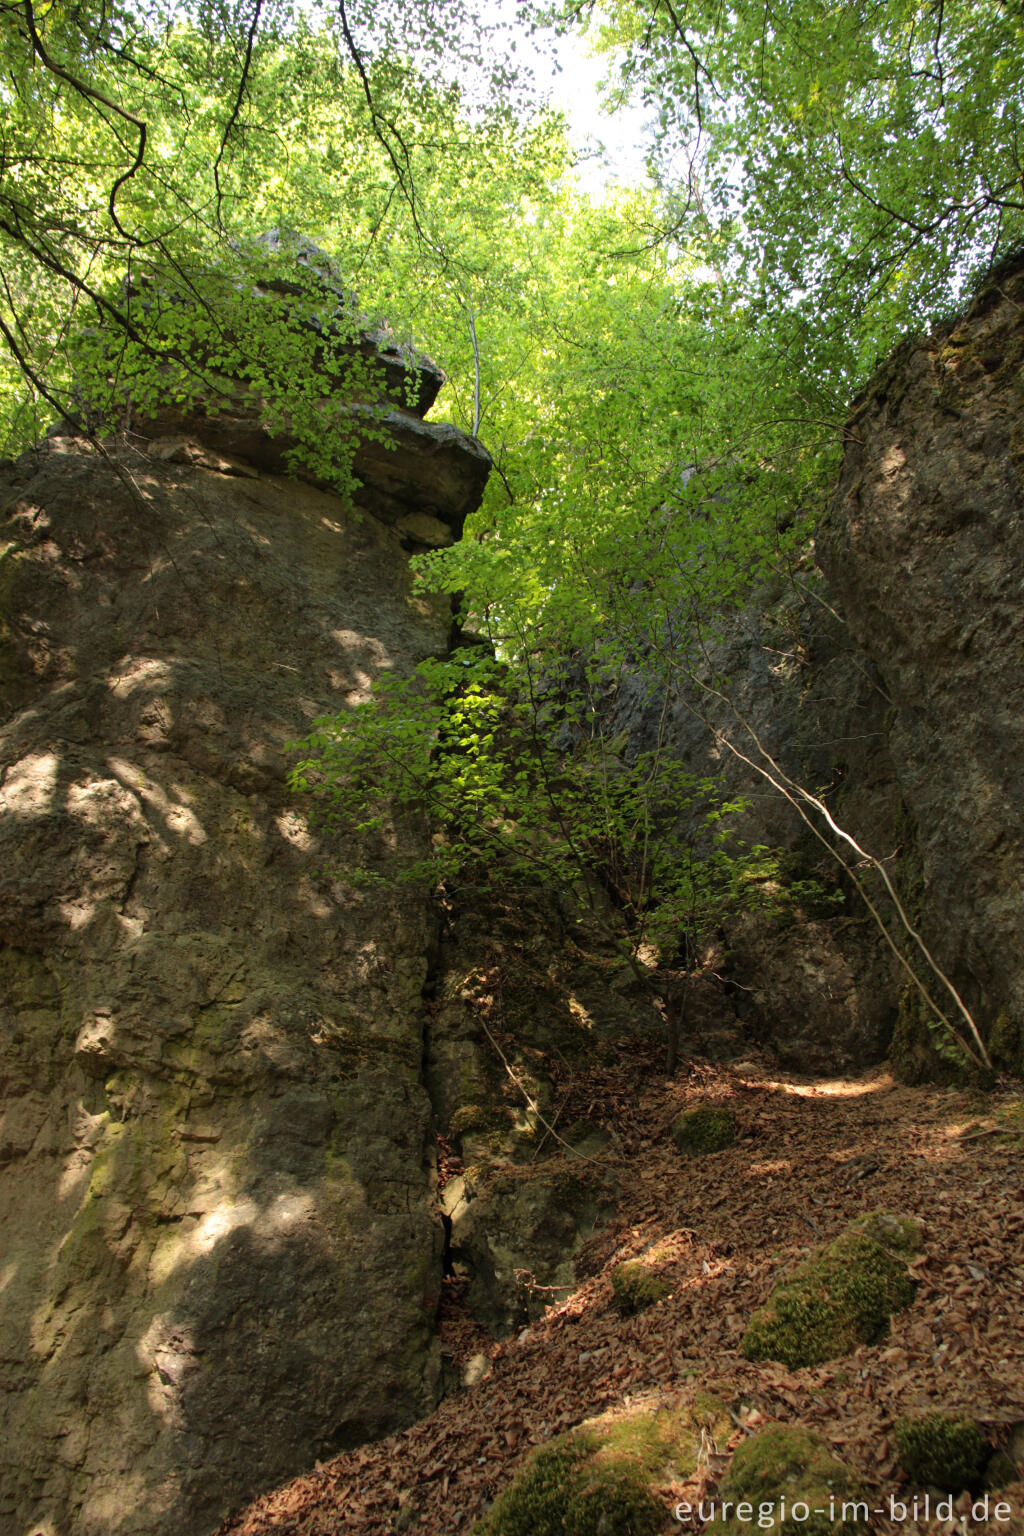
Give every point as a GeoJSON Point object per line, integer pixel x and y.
{"type": "Point", "coordinates": [810, 1155]}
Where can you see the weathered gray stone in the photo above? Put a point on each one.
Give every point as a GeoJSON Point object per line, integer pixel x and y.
{"type": "Point", "coordinates": [924, 548]}
{"type": "Point", "coordinates": [895, 693]}
{"type": "Point", "coordinates": [220, 1256]}
{"type": "Point", "coordinates": [823, 993]}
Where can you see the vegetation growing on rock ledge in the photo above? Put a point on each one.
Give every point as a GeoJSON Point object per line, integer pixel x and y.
{"type": "Point", "coordinates": [839, 1298]}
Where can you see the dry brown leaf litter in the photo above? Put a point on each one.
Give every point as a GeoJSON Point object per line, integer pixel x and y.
{"type": "Point", "coordinates": [809, 1157]}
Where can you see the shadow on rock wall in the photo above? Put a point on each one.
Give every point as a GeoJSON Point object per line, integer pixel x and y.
{"type": "Point", "coordinates": [219, 1256]}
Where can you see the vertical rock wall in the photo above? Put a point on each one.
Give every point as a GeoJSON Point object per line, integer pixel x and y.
{"type": "Point", "coordinates": [218, 1250]}
{"type": "Point", "coordinates": [895, 691]}
{"type": "Point", "coordinates": [923, 548]}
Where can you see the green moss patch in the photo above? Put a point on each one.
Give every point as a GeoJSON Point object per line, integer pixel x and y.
{"type": "Point", "coordinates": [1005, 1042]}
{"type": "Point", "coordinates": [706, 1128]}
{"type": "Point", "coordinates": [561, 1492]}
{"type": "Point", "coordinates": [599, 1479]}
{"type": "Point", "coordinates": [941, 1450]}
{"type": "Point", "coordinates": [921, 1050]}
{"type": "Point", "coordinates": [841, 1297]}
{"type": "Point", "coordinates": [794, 1485]}
{"type": "Point", "coordinates": [637, 1286]}
{"type": "Point", "coordinates": [1010, 1119]}
{"type": "Point", "coordinates": [479, 1119]}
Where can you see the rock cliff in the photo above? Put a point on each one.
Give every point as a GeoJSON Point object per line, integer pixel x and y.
{"type": "Point", "coordinates": [221, 1254]}
{"type": "Point", "coordinates": [888, 678]}
{"type": "Point", "coordinates": [222, 1070]}
{"type": "Point", "coordinates": [923, 548]}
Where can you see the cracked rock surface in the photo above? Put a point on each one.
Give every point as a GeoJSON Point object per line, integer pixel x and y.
{"type": "Point", "coordinates": [220, 1257]}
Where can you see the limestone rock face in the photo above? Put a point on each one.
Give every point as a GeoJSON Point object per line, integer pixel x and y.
{"type": "Point", "coordinates": [425, 477]}
{"type": "Point", "coordinates": [819, 989]}
{"type": "Point", "coordinates": [220, 1255]}
{"type": "Point", "coordinates": [895, 690]}
{"type": "Point", "coordinates": [924, 549]}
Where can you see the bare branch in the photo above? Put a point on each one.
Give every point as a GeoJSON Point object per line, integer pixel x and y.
{"type": "Point", "coordinates": [237, 107]}
{"type": "Point", "coordinates": [89, 93]}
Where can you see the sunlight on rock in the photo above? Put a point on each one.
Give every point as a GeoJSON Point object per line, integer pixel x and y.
{"type": "Point", "coordinates": [580, 1013]}
{"type": "Point", "coordinates": [220, 1222]}
{"type": "Point", "coordinates": [352, 640]}
{"type": "Point", "coordinates": [144, 672]}
{"type": "Point", "coordinates": [77, 915]}
{"type": "Point", "coordinates": [167, 1354]}
{"type": "Point", "coordinates": [294, 828]}
{"type": "Point", "coordinates": [99, 802]}
{"type": "Point", "coordinates": [7, 1274]}
{"type": "Point", "coordinates": [29, 786]}
{"type": "Point", "coordinates": [312, 899]}
{"type": "Point", "coordinates": [178, 818]}
{"type": "Point", "coordinates": [194, 1239]}
{"type": "Point", "coordinates": [286, 1212]}
{"type": "Point", "coordinates": [75, 1175]}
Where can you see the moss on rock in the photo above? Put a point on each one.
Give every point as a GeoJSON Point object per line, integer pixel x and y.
{"type": "Point", "coordinates": [561, 1492]}
{"type": "Point", "coordinates": [475, 1118]}
{"type": "Point", "coordinates": [941, 1450]}
{"type": "Point", "coordinates": [1005, 1043]}
{"type": "Point", "coordinates": [841, 1297]}
{"type": "Point", "coordinates": [598, 1479]}
{"type": "Point", "coordinates": [637, 1286]}
{"type": "Point", "coordinates": [706, 1128]}
{"type": "Point", "coordinates": [921, 1050]}
{"type": "Point", "coordinates": [794, 1485]}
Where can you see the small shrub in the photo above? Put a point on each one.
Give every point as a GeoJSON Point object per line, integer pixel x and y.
{"type": "Point", "coordinates": [707, 1128]}
{"type": "Point", "coordinates": [781, 1469]}
{"type": "Point", "coordinates": [637, 1286]}
{"type": "Point", "coordinates": [941, 1450]}
{"type": "Point", "coordinates": [839, 1298]}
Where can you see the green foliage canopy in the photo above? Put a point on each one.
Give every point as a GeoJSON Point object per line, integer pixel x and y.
{"type": "Point", "coordinates": [661, 376]}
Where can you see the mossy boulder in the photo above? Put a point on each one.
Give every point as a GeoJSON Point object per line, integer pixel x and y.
{"type": "Point", "coordinates": [598, 1480]}
{"type": "Point", "coordinates": [703, 1129]}
{"type": "Point", "coordinates": [637, 1285]}
{"type": "Point", "coordinates": [794, 1485]}
{"type": "Point", "coordinates": [560, 1492]}
{"type": "Point", "coordinates": [941, 1450]}
{"type": "Point", "coordinates": [839, 1298]}
{"type": "Point", "coordinates": [1010, 1119]}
